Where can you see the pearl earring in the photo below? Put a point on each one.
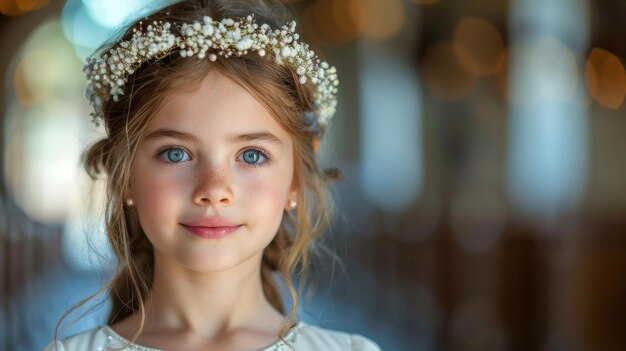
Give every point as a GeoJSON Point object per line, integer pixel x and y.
{"type": "Point", "coordinates": [292, 204]}
{"type": "Point", "coordinates": [129, 202]}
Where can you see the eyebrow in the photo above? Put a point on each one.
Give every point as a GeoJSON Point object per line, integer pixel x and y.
{"type": "Point", "coordinates": [170, 133]}
{"type": "Point", "coordinates": [255, 136]}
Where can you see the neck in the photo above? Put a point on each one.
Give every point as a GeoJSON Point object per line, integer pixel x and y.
{"type": "Point", "coordinates": [208, 303]}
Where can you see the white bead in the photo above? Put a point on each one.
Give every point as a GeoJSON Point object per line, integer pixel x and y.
{"type": "Point", "coordinates": [212, 57]}
{"type": "Point", "coordinates": [261, 52]}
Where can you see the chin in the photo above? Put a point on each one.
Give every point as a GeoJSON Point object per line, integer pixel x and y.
{"type": "Point", "coordinates": [215, 263]}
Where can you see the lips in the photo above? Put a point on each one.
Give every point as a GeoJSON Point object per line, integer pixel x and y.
{"type": "Point", "coordinates": [211, 227]}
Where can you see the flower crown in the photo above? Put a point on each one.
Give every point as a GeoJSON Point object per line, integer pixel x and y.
{"type": "Point", "coordinates": [108, 75]}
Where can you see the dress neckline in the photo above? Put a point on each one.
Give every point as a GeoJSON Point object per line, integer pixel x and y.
{"type": "Point", "coordinates": [289, 336]}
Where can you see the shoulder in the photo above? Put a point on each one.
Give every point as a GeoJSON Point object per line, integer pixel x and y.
{"type": "Point", "coordinates": [310, 337]}
{"type": "Point", "coordinates": [93, 339]}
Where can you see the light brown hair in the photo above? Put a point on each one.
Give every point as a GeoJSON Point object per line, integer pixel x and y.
{"type": "Point", "coordinates": [277, 88]}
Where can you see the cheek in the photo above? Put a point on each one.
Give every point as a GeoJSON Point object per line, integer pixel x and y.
{"type": "Point", "coordinates": [268, 192]}
{"type": "Point", "coordinates": [155, 197]}
{"type": "Point", "coordinates": [266, 195]}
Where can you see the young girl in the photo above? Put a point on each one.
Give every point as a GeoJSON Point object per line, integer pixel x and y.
{"type": "Point", "coordinates": [213, 112]}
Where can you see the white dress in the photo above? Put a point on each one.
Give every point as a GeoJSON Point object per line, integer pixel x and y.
{"type": "Point", "coordinates": [302, 336]}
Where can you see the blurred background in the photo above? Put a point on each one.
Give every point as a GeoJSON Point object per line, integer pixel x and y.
{"type": "Point", "coordinates": [482, 143]}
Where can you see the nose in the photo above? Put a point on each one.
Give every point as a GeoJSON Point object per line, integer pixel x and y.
{"type": "Point", "coordinates": [212, 188]}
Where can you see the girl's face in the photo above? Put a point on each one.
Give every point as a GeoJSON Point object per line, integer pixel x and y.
{"type": "Point", "coordinates": [212, 157]}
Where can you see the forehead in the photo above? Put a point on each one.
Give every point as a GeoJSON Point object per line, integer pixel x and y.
{"type": "Point", "coordinates": [215, 106]}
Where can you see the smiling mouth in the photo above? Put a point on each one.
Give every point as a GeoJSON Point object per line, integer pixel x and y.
{"type": "Point", "coordinates": [211, 232]}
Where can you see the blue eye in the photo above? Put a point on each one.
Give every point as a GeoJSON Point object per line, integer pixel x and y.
{"type": "Point", "coordinates": [252, 157]}
{"type": "Point", "coordinates": [174, 155]}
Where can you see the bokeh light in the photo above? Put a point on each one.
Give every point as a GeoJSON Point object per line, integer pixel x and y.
{"type": "Point", "coordinates": [41, 154]}
{"type": "Point", "coordinates": [382, 19]}
{"type": "Point", "coordinates": [606, 78]}
{"type": "Point", "coordinates": [89, 23]}
{"type": "Point", "coordinates": [544, 61]}
{"type": "Point", "coordinates": [334, 23]}
{"type": "Point", "coordinates": [30, 5]}
{"type": "Point", "coordinates": [348, 19]}
{"type": "Point", "coordinates": [479, 46]}
{"type": "Point", "coordinates": [41, 150]}
{"type": "Point", "coordinates": [18, 7]}
{"type": "Point", "coordinates": [38, 76]}
{"type": "Point", "coordinates": [547, 157]}
{"type": "Point", "coordinates": [115, 13]}
{"type": "Point", "coordinates": [391, 173]}
{"type": "Point", "coordinates": [339, 22]}
{"type": "Point", "coordinates": [320, 19]}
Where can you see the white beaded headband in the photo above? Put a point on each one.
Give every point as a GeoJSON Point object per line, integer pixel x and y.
{"type": "Point", "coordinates": [207, 39]}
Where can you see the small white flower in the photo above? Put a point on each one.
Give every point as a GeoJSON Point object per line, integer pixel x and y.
{"type": "Point", "coordinates": [208, 30]}
{"type": "Point", "coordinates": [244, 44]}
{"type": "Point", "coordinates": [229, 37]}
